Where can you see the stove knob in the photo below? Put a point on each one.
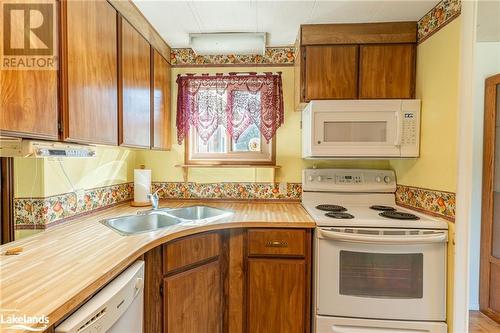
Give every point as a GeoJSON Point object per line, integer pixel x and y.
{"type": "Point", "coordinates": [387, 179]}
{"type": "Point", "coordinates": [378, 179]}
{"type": "Point", "coordinates": [310, 178]}
{"type": "Point", "coordinates": [319, 178]}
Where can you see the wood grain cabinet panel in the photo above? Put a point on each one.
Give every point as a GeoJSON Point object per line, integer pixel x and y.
{"type": "Point", "coordinates": [161, 103]}
{"type": "Point", "coordinates": [331, 72]}
{"type": "Point", "coordinates": [387, 71]}
{"type": "Point", "coordinates": [29, 103]}
{"type": "Point", "coordinates": [90, 72]}
{"type": "Point", "coordinates": [276, 296]}
{"type": "Point", "coordinates": [192, 301]}
{"type": "Point", "coordinates": [190, 250]}
{"type": "Point", "coordinates": [276, 242]}
{"type": "Point", "coordinates": [135, 112]}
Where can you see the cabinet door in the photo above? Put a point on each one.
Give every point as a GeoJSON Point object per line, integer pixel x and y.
{"type": "Point", "coordinates": [161, 103]}
{"type": "Point", "coordinates": [387, 71]}
{"type": "Point", "coordinates": [192, 300]}
{"type": "Point", "coordinates": [276, 296]}
{"type": "Point", "coordinates": [331, 72]}
{"type": "Point", "coordinates": [135, 88]}
{"type": "Point", "coordinates": [90, 75]}
{"type": "Point", "coordinates": [29, 103]}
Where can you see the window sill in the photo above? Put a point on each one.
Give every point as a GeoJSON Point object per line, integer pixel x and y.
{"type": "Point", "coordinates": [186, 167]}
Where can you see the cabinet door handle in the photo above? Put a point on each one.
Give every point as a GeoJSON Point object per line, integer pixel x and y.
{"type": "Point", "coordinates": [276, 244]}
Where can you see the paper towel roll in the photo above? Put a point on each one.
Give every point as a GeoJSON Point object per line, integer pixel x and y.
{"type": "Point", "coordinates": [142, 185]}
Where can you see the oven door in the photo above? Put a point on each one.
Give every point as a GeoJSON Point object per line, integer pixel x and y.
{"type": "Point", "coordinates": [382, 274]}
{"type": "Point", "coordinates": [357, 133]}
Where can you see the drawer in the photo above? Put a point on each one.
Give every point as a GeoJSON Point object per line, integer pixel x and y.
{"type": "Point", "coordinates": [276, 242]}
{"type": "Point", "coordinates": [190, 250]}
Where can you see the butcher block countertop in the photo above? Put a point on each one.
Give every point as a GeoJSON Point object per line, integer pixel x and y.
{"type": "Point", "coordinates": [64, 265]}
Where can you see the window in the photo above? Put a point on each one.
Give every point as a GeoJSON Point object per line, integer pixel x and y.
{"type": "Point", "coordinates": [229, 119]}
{"type": "Point", "coordinates": [220, 148]}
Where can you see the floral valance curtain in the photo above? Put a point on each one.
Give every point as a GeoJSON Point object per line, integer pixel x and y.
{"type": "Point", "coordinates": [234, 101]}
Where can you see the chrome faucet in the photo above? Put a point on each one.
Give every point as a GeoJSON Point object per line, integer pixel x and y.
{"type": "Point", "coordinates": [154, 198]}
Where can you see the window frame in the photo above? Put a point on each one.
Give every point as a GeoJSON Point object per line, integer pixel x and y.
{"type": "Point", "coordinates": [267, 156]}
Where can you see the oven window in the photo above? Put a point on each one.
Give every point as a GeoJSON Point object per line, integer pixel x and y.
{"type": "Point", "coordinates": [381, 274]}
{"type": "Point", "coordinates": [355, 131]}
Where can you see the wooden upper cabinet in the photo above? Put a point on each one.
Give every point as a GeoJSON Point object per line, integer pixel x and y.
{"type": "Point", "coordinates": [89, 72]}
{"type": "Point", "coordinates": [387, 71]}
{"type": "Point", "coordinates": [29, 103]}
{"type": "Point", "coordinates": [355, 61]}
{"type": "Point", "coordinates": [161, 103]}
{"type": "Point", "coordinates": [28, 98]}
{"type": "Point", "coordinates": [135, 108]}
{"type": "Point", "coordinates": [331, 72]}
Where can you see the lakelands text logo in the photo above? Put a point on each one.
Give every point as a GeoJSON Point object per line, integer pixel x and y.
{"type": "Point", "coordinates": [24, 322]}
{"type": "Point", "coordinates": [28, 35]}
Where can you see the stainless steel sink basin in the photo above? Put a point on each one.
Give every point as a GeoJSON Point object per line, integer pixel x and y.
{"type": "Point", "coordinates": [134, 224]}
{"type": "Point", "coordinates": [198, 213]}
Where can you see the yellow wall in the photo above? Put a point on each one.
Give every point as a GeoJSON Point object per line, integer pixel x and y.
{"type": "Point", "coordinates": [288, 144]}
{"type": "Point", "coordinates": [437, 86]}
{"type": "Point", "coordinates": [45, 177]}
{"type": "Point", "coordinates": [28, 177]}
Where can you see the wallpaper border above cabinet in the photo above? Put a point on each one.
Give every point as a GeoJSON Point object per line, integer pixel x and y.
{"type": "Point", "coordinates": [438, 17]}
{"type": "Point", "coordinates": [281, 56]}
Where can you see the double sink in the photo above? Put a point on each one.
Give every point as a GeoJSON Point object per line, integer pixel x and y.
{"type": "Point", "coordinates": [162, 218]}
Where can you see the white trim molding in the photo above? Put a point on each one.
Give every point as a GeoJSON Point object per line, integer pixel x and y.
{"type": "Point", "coordinates": [464, 167]}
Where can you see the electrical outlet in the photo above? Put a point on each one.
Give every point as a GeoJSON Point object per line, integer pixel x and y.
{"type": "Point", "coordinates": [283, 186]}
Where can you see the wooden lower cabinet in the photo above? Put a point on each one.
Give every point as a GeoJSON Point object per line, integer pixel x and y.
{"type": "Point", "coordinates": [212, 283]}
{"type": "Point", "coordinates": [276, 295]}
{"type": "Point", "coordinates": [192, 300]}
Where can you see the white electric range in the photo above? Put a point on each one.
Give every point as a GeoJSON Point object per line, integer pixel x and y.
{"type": "Point", "coordinates": [378, 267]}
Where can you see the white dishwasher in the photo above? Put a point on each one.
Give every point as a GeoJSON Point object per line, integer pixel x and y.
{"type": "Point", "coordinates": [117, 308]}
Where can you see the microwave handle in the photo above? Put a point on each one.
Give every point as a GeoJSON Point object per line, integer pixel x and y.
{"type": "Point", "coordinates": [399, 130]}
{"type": "Point", "coordinates": [384, 239]}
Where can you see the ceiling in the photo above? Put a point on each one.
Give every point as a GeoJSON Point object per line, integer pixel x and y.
{"type": "Point", "coordinates": [174, 20]}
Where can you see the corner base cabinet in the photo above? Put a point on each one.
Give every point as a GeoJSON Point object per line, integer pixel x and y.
{"type": "Point", "coordinates": [231, 281]}
{"type": "Point", "coordinates": [192, 300]}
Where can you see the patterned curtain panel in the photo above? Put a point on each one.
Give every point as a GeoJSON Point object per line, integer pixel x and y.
{"type": "Point", "coordinates": [234, 101]}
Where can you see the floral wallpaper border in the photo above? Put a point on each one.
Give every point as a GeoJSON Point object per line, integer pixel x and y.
{"type": "Point", "coordinates": [439, 16]}
{"type": "Point", "coordinates": [432, 202]}
{"type": "Point", "coordinates": [231, 191]}
{"type": "Point", "coordinates": [39, 213]}
{"type": "Point", "coordinates": [273, 56]}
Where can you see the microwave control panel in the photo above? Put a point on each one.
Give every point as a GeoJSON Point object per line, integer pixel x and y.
{"type": "Point", "coordinates": [409, 128]}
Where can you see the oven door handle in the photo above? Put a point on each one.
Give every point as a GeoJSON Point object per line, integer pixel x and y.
{"type": "Point", "coordinates": [384, 239]}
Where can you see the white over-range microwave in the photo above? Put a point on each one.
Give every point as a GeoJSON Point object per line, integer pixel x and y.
{"type": "Point", "coordinates": [361, 129]}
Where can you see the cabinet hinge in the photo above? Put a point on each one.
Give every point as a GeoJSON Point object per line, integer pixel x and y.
{"type": "Point", "coordinates": [59, 127]}
{"type": "Point", "coordinates": [161, 291]}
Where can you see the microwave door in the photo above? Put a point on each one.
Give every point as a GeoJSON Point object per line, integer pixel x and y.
{"type": "Point", "coordinates": [357, 134]}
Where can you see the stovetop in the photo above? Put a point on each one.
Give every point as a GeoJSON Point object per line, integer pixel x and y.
{"type": "Point", "coordinates": [358, 206]}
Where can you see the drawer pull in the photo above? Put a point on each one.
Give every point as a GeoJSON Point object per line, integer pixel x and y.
{"type": "Point", "coordinates": [276, 244]}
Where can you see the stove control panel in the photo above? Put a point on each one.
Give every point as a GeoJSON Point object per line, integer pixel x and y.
{"type": "Point", "coordinates": [348, 180]}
